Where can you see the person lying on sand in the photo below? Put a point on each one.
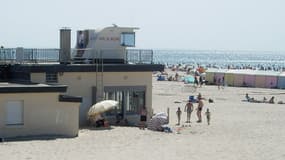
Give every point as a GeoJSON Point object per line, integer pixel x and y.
{"type": "Point", "coordinates": [248, 98]}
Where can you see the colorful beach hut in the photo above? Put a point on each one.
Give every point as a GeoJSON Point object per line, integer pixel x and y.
{"type": "Point", "coordinates": [260, 81]}
{"type": "Point", "coordinates": [229, 78]}
{"type": "Point", "coordinates": [219, 75]}
{"type": "Point", "coordinates": [266, 79]}
{"type": "Point", "coordinates": [243, 78]}
{"type": "Point", "coordinates": [249, 79]}
{"type": "Point", "coordinates": [238, 79]}
{"type": "Point", "coordinates": [210, 73]}
{"type": "Point", "coordinates": [281, 81]}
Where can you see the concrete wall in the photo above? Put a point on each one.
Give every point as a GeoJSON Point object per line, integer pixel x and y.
{"type": "Point", "coordinates": [43, 114]}
{"type": "Point", "coordinates": [81, 83]}
{"type": "Point", "coordinates": [106, 41]}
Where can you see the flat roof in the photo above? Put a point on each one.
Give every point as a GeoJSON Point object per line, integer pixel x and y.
{"type": "Point", "coordinates": [8, 87]}
{"type": "Point", "coordinates": [86, 67]}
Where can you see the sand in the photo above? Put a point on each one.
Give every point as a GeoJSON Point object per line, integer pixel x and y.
{"type": "Point", "coordinates": [238, 131]}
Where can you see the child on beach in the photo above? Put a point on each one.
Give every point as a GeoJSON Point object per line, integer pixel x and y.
{"type": "Point", "coordinates": [208, 115]}
{"type": "Point", "coordinates": [178, 113]}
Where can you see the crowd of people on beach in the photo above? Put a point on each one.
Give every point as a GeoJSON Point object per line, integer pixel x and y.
{"type": "Point", "coordinates": [189, 108]}
{"type": "Point", "coordinates": [264, 100]}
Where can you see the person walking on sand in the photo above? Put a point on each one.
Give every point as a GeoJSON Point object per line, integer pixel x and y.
{"type": "Point", "coordinates": [199, 110]}
{"type": "Point", "coordinates": [208, 115]}
{"type": "Point", "coordinates": [188, 109]}
{"type": "Point", "coordinates": [178, 113]}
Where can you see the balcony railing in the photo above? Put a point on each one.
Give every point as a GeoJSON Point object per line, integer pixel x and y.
{"type": "Point", "coordinates": [7, 55]}
{"type": "Point", "coordinates": [39, 55]}
{"type": "Point", "coordinates": [28, 55]}
{"type": "Point", "coordinates": [139, 56]}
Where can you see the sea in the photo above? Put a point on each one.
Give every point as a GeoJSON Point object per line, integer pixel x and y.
{"type": "Point", "coordinates": [260, 60]}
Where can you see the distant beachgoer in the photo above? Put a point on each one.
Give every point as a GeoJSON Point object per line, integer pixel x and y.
{"type": "Point", "coordinates": [208, 115]}
{"type": "Point", "coordinates": [199, 110]}
{"type": "Point", "coordinates": [188, 109]}
{"type": "Point", "coordinates": [176, 76]}
{"type": "Point", "coordinates": [201, 81]}
{"type": "Point", "coordinates": [197, 73]}
{"type": "Point", "coordinates": [99, 120]}
{"type": "Point", "coordinates": [178, 113]}
{"type": "Point", "coordinates": [199, 96]}
{"type": "Point", "coordinates": [219, 83]}
{"type": "Point", "coordinates": [196, 83]}
{"type": "Point", "coordinates": [223, 81]}
{"type": "Point", "coordinates": [143, 118]}
{"type": "Point", "coordinates": [248, 98]}
{"type": "Point", "coordinates": [271, 100]}
{"type": "Point", "coordinates": [264, 99]}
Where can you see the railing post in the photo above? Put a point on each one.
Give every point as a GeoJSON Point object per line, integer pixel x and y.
{"type": "Point", "coordinates": [140, 56]}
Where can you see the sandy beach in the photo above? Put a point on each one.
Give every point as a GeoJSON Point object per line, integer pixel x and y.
{"type": "Point", "coordinates": [239, 130]}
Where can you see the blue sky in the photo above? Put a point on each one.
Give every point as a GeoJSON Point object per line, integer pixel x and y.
{"type": "Point", "coordinates": [164, 24]}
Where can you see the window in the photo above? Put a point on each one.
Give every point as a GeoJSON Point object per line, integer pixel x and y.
{"type": "Point", "coordinates": [51, 77]}
{"type": "Point", "coordinates": [136, 101]}
{"type": "Point", "coordinates": [130, 101]}
{"type": "Point", "coordinates": [128, 39]}
{"type": "Point", "coordinates": [117, 96]}
{"type": "Point", "coordinates": [14, 113]}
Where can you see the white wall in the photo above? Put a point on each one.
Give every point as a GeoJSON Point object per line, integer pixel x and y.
{"type": "Point", "coordinates": [43, 115]}
{"type": "Point", "coordinates": [81, 83]}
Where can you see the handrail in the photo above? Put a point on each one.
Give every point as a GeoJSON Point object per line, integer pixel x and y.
{"type": "Point", "coordinates": [46, 55]}
{"type": "Point", "coordinates": [140, 56]}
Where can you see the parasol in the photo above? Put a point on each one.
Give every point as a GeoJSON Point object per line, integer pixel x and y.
{"type": "Point", "coordinates": [102, 107]}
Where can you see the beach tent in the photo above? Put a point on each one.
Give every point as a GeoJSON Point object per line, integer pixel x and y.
{"type": "Point", "coordinates": [281, 81]}
{"type": "Point", "coordinates": [157, 121]}
{"type": "Point", "coordinates": [189, 79]}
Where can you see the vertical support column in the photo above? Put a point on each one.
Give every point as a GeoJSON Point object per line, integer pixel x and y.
{"type": "Point", "coordinates": [19, 55]}
{"type": "Point", "coordinates": [65, 46]}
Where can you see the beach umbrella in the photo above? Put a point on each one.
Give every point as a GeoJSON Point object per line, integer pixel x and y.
{"type": "Point", "coordinates": [102, 107]}
{"type": "Point", "coordinates": [160, 115]}
{"type": "Point", "coordinates": [157, 121]}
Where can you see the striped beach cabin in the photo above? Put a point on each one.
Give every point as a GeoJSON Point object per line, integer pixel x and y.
{"type": "Point", "coordinates": [248, 78]}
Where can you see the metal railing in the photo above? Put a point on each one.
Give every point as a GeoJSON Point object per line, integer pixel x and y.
{"type": "Point", "coordinates": [28, 55]}
{"type": "Point", "coordinates": [140, 56]}
{"type": "Point", "coordinates": [38, 55]}
{"type": "Point", "coordinates": [42, 55]}
{"type": "Point", "coordinates": [7, 55]}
